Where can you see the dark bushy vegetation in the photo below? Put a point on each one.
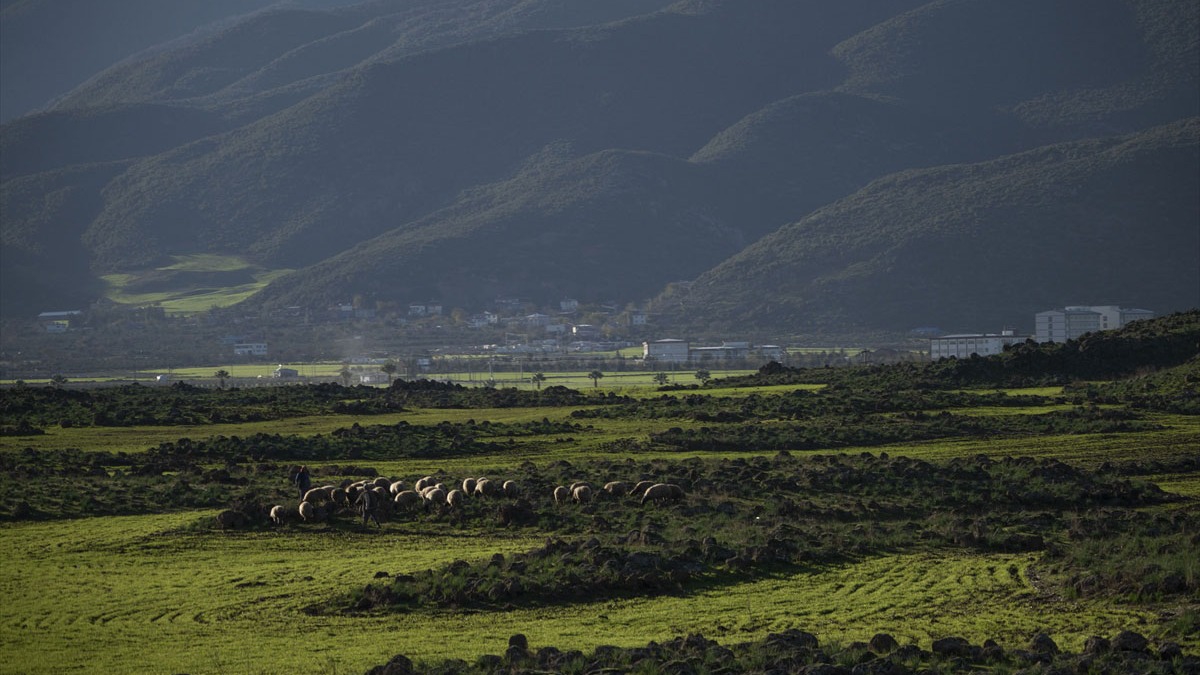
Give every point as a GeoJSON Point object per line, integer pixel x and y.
{"type": "Point", "coordinates": [29, 408]}
{"type": "Point", "coordinates": [744, 519]}
{"type": "Point", "coordinates": [797, 651]}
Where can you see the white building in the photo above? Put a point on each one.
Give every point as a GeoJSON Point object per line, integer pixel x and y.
{"type": "Point", "coordinates": [964, 345]}
{"type": "Point", "coordinates": [668, 350]}
{"type": "Point", "coordinates": [250, 349]}
{"type": "Point", "coordinates": [1060, 325]}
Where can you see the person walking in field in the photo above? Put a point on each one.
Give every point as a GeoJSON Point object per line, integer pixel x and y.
{"type": "Point", "coordinates": [303, 480]}
{"type": "Point", "coordinates": [366, 502]}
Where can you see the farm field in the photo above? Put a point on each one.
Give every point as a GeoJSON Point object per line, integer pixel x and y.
{"type": "Point", "coordinates": [850, 503]}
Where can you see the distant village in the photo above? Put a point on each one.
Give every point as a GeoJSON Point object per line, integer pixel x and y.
{"type": "Point", "coordinates": [518, 330]}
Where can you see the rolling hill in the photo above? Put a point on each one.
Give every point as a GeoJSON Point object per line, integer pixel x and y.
{"type": "Point", "coordinates": [806, 163]}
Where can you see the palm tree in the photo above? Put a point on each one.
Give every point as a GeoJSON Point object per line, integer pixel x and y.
{"type": "Point", "coordinates": [345, 373]}
{"type": "Point", "coordinates": [58, 380]}
{"type": "Point", "coordinates": [538, 378]}
{"type": "Point", "coordinates": [595, 375]}
{"type": "Point", "coordinates": [661, 379]}
{"type": "Point", "coordinates": [389, 369]}
{"type": "Point", "coordinates": [222, 375]}
{"type": "Point", "coordinates": [703, 375]}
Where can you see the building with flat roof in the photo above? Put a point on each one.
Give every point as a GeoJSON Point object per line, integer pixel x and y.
{"type": "Point", "coordinates": [966, 345]}
{"type": "Point", "coordinates": [668, 350]}
{"type": "Point", "coordinates": [1069, 323]}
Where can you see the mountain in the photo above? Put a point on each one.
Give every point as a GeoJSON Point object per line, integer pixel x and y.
{"type": "Point", "coordinates": [976, 245]}
{"type": "Point", "coordinates": [782, 153]}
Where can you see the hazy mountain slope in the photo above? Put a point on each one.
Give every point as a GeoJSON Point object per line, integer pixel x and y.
{"type": "Point", "coordinates": [1085, 66]}
{"type": "Point", "coordinates": [394, 142]}
{"type": "Point", "coordinates": [977, 246]}
{"type": "Point", "coordinates": [375, 142]}
{"type": "Point", "coordinates": [49, 46]}
{"type": "Point", "coordinates": [43, 263]}
{"type": "Point", "coordinates": [57, 139]}
{"type": "Point", "coordinates": [600, 227]}
{"type": "Point", "coordinates": [303, 51]}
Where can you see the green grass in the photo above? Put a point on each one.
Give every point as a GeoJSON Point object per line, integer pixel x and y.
{"type": "Point", "coordinates": [93, 594]}
{"type": "Point", "coordinates": [184, 298]}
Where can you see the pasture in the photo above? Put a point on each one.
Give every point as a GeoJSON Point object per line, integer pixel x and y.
{"type": "Point", "coordinates": [993, 513]}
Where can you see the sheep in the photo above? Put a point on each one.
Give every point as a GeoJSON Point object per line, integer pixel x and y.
{"type": "Point", "coordinates": [338, 496]}
{"type": "Point", "coordinates": [582, 494]}
{"type": "Point", "coordinates": [277, 514]}
{"type": "Point", "coordinates": [616, 488]}
{"type": "Point", "coordinates": [486, 488]}
{"type": "Point", "coordinates": [561, 494]}
{"type": "Point", "coordinates": [640, 488]}
{"type": "Point", "coordinates": [468, 486]}
{"type": "Point", "coordinates": [229, 519]}
{"type": "Point", "coordinates": [662, 492]}
{"type": "Point", "coordinates": [317, 494]}
{"type": "Point", "coordinates": [454, 498]}
{"type": "Point", "coordinates": [510, 488]}
{"type": "Point", "coordinates": [307, 511]}
{"type": "Point", "coordinates": [426, 490]}
{"type": "Point", "coordinates": [434, 496]}
{"type": "Point", "coordinates": [580, 483]}
{"type": "Point", "coordinates": [396, 488]}
{"type": "Point", "coordinates": [424, 483]}
{"type": "Point", "coordinates": [382, 482]}
{"type": "Point", "coordinates": [407, 498]}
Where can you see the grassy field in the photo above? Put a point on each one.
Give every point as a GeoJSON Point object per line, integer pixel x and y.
{"type": "Point", "coordinates": [179, 292]}
{"type": "Point", "coordinates": [108, 587]}
{"type": "Point", "coordinates": [89, 594]}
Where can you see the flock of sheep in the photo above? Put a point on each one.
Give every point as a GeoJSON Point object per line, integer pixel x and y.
{"type": "Point", "coordinates": [377, 498]}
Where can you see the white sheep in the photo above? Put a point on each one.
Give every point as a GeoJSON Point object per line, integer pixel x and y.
{"type": "Point", "coordinates": [407, 498]}
{"type": "Point", "coordinates": [582, 494]}
{"type": "Point", "coordinates": [317, 494]}
{"type": "Point", "coordinates": [454, 498]}
{"type": "Point", "coordinates": [307, 511]}
{"type": "Point", "coordinates": [277, 514]}
{"type": "Point", "coordinates": [661, 492]}
{"type": "Point", "coordinates": [640, 488]}
{"type": "Point", "coordinates": [396, 488]}
{"type": "Point", "coordinates": [510, 488]}
{"type": "Point", "coordinates": [616, 488]}
{"type": "Point", "coordinates": [561, 494]}
{"type": "Point", "coordinates": [468, 486]}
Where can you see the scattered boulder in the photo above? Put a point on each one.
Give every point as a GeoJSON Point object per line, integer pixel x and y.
{"type": "Point", "coordinates": [1129, 641]}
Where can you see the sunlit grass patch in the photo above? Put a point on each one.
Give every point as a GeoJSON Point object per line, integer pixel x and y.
{"type": "Point", "coordinates": [191, 283]}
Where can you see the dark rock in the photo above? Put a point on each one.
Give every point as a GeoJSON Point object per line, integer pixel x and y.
{"type": "Point", "coordinates": [398, 665]}
{"type": "Point", "coordinates": [516, 654]}
{"type": "Point", "coordinates": [1043, 644]}
{"type": "Point", "coordinates": [826, 669]}
{"type": "Point", "coordinates": [489, 662]}
{"type": "Point", "coordinates": [952, 646]}
{"type": "Point", "coordinates": [1169, 651]}
{"type": "Point", "coordinates": [518, 640]}
{"type": "Point", "coordinates": [1096, 645]}
{"type": "Point", "coordinates": [1129, 641]}
{"type": "Point", "coordinates": [381, 575]}
{"type": "Point", "coordinates": [992, 651]}
{"type": "Point", "coordinates": [883, 643]}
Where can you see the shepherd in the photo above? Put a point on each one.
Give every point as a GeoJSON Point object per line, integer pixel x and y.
{"type": "Point", "coordinates": [366, 502]}
{"type": "Point", "coordinates": [303, 480]}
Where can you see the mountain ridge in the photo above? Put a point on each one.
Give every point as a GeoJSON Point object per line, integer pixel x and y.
{"type": "Point", "coordinates": [507, 128]}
